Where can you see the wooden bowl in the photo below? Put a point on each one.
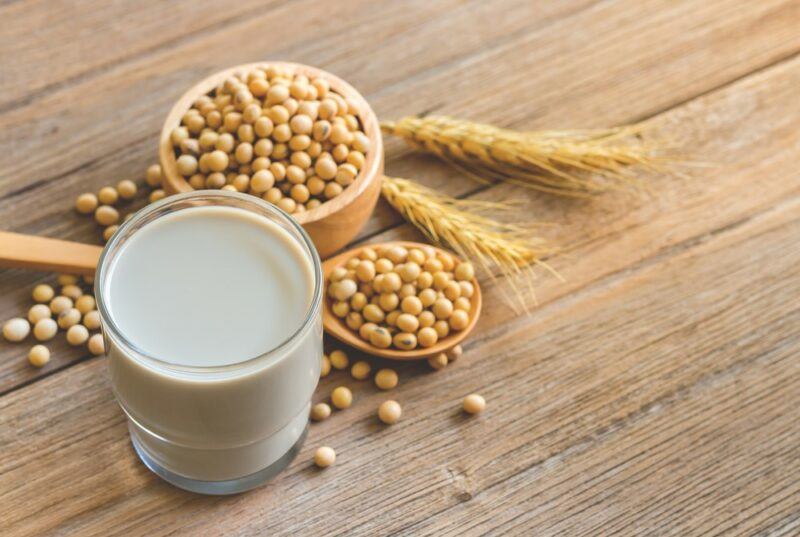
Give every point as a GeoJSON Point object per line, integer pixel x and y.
{"type": "Point", "coordinates": [334, 223]}
{"type": "Point", "coordinates": [336, 327]}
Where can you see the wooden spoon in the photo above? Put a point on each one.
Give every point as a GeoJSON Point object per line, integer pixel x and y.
{"type": "Point", "coordinates": [50, 255]}
{"type": "Point", "coordinates": [336, 327]}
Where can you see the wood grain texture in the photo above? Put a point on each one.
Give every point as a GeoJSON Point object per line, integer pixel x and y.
{"type": "Point", "coordinates": [655, 392]}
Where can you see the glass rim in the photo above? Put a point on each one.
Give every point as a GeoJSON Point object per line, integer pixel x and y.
{"type": "Point", "coordinates": [111, 329]}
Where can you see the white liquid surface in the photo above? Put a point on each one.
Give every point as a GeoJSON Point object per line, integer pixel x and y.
{"type": "Point", "coordinates": [209, 286]}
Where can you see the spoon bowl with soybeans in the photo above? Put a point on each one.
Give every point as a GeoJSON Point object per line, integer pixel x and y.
{"type": "Point", "coordinates": [400, 300]}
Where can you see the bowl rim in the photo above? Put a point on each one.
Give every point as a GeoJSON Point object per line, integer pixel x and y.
{"type": "Point", "coordinates": [335, 326]}
{"type": "Point", "coordinates": [371, 171]}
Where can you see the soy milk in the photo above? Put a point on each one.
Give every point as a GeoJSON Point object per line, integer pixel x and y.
{"type": "Point", "coordinates": [213, 331]}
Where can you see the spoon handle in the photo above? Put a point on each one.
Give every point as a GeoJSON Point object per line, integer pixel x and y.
{"type": "Point", "coordinates": [51, 255]}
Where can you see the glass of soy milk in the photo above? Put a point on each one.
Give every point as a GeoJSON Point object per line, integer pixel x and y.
{"type": "Point", "coordinates": [210, 306]}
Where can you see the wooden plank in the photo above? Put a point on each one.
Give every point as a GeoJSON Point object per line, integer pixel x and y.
{"type": "Point", "coordinates": [660, 324]}
{"type": "Point", "coordinates": [47, 44]}
{"type": "Point", "coordinates": [767, 23]}
{"type": "Point", "coordinates": [648, 380]}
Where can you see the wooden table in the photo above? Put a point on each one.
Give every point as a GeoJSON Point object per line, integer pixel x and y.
{"type": "Point", "coordinates": [655, 391]}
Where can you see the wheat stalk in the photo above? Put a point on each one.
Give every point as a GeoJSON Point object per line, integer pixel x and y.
{"type": "Point", "coordinates": [511, 249]}
{"type": "Point", "coordinates": [576, 162]}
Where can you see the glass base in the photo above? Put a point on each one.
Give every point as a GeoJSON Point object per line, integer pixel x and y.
{"type": "Point", "coordinates": [231, 486]}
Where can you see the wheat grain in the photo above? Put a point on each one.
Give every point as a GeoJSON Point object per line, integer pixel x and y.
{"type": "Point", "coordinates": [576, 162]}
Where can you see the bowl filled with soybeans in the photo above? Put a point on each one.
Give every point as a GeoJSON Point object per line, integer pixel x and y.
{"type": "Point", "coordinates": [400, 300]}
{"type": "Point", "coordinates": [294, 135]}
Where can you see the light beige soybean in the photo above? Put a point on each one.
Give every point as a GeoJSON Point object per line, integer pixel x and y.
{"type": "Point", "coordinates": [366, 329]}
{"type": "Point", "coordinates": [16, 329]}
{"type": "Point", "coordinates": [459, 320]}
{"type": "Point", "coordinates": [407, 322]}
{"type": "Point", "coordinates": [389, 412]}
{"type": "Point", "coordinates": [380, 337]}
{"type": "Point", "coordinates": [45, 329]}
{"type": "Point", "coordinates": [341, 309]}
{"type": "Point", "coordinates": [127, 189]}
{"type": "Point", "coordinates": [324, 456]}
{"type": "Point", "coordinates": [300, 193]}
{"type": "Point", "coordinates": [462, 303]}
{"type": "Point", "coordinates": [426, 319]}
{"type": "Point", "coordinates": [356, 158]}
{"type": "Point", "coordinates": [366, 270]}
{"type": "Point", "coordinates": [442, 308]}
{"type": "Point", "coordinates": [360, 370]}
{"type": "Point", "coordinates": [38, 311]}
{"type": "Point", "coordinates": [415, 255]}
{"type": "Point", "coordinates": [326, 168]}
{"type": "Point", "coordinates": [339, 359]}
{"type": "Point", "coordinates": [337, 274]}
{"type": "Point", "coordinates": [96, 345]}
{"type": "Point", "coordinates": [427, 336]}
{"type": "Point", "coordinates": [408, 289]}
{"type": "Point", "coordinates": [432, 265]}
{"type": "Point", "coordinates": [109, 232]}
{"type": "Point", "coordinates": [473, 404]}
{"type": "Point", "coordinates": [38, 356]}
{"type": "Point", "coordinates": [153, 175]}
{"type": "Point", "coordinates": [43, 293]}
{"type": "Point", "coordinates": [373, 313]}
{"type": "Point", "coordinates": [425, 280]}
{"type": "Point", "coordinates": [60, 304]}
{"type": "Point", "coordinates": [446, 260]}
{"type": "Point", "coordinates": [391, 317]}
{"type": "Point", "coordinates": [325, 366]}
{"type": "Point", "coordinates": [77, 335]}
{"type": "Point", "coordinates": [262, 181]}
{"type": "Point", "coordinates": [427, 297]}
{"type": "Point", "coordinates": [86, 203]}
{"type": "Point", "coordinates": [405, 341]}
{"type": "Point", "coordinates": [345, 289]}
{"type": "Point", "coordinates": [105, 215]}
{"type": "Point", "coordinates": [72, 291]}
{"type": "Point", "coordinates": [397, 254]}
{"type": "Point", "coordinates": [412, 305]}
{"type": "Point", "coordinates": [388, 301]}
{"type": "Point", "coordinates": [452, 290]}
{"type": "Point", "coordinates": [410, 271]}
{"type": "Point", "coordinates": [68, 318]}
{"type": "Point", "coordinates": [455, 353]}
{"type": "Point", "coordinates": [360, 142]}
{"type": "Point", "coordinates": [383, 266]}
{"type": "Point", "coordinates": [342, 397]}
{"type": "Point", "coordinates": [440, 280]}
{"type": "Point", "coordinates": [108, 195]}
{"type": "Point", "coordinates": [464, 272]}
{"type": "Point", "coordinates": [332, 190]}
{"type": "Point", "coordinates": [67, 279]}
{"type": "Point", "coordinates": [386, 379]}
{"type": "Point", "coordinates": [438, 362]}
{"type": "Point", "coordinates": [442, 329]}
{"type": "Point", "coordinates": [358, 301]}
{"type": "Point", "coordinates": [467, 289]}
{"type": "Point", "coordinates": [91, 320]}
{"type": "Point", "coordinates": [392, 282]}
{"type": "Point", "coordinates": [320, 411]}
{"type": "Point", "coordinates": [369, 253]}
{"type": "Point", "coordinates": [354, 320]}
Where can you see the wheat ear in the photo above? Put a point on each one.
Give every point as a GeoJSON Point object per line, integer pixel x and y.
{"type": "Point", "coordinates": [576, 162]}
